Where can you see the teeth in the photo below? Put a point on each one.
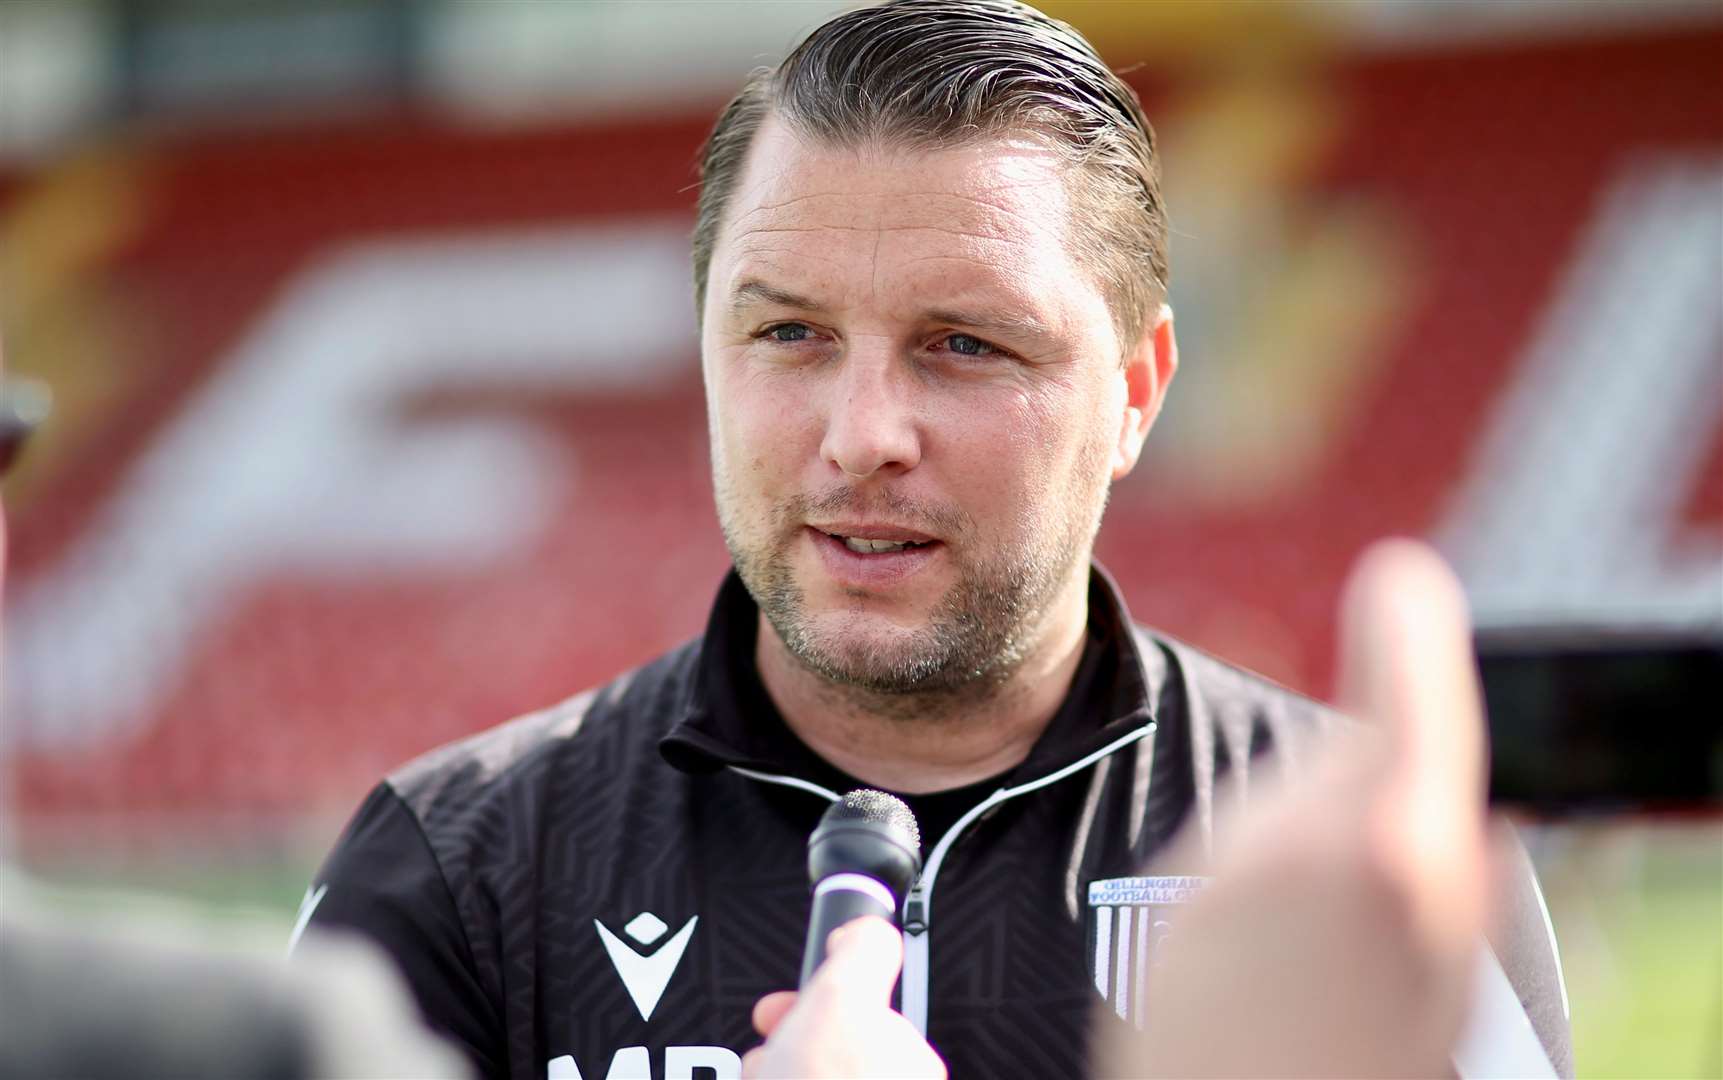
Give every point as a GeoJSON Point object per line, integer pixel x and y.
{"type": "Point", "coordinates": [869, 547]}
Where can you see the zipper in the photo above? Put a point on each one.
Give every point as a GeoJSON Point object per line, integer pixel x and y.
{"type": "Point", "coordinates": [796, 782]}
{"type": "Point", "coordinates": [918, 904]}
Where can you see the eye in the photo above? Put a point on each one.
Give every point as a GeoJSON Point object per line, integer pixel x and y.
{"type": "Point", "coordinates": [787, 332]}
{"type": "Point", "coordinates": [965, 345]}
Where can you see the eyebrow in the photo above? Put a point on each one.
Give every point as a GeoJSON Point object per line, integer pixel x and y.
{"type": "Point", "coordinates": [754, 291]}
{"type": "Point", "coordinates": [1016, 323]}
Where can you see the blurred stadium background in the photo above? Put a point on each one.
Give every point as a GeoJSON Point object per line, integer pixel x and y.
{"type": "Point", "coordinates": [378, 416]}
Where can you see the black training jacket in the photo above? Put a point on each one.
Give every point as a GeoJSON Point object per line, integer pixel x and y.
{"type": "Point", "coordinates": [605, 888]}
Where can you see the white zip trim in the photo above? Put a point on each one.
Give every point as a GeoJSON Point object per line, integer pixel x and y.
{"type": "Point", "coordinates": [920, 898]}
{"type": "Point", "coordinates": [787, 781]}
{"type": "Point", "coordinates": [1555, 947]}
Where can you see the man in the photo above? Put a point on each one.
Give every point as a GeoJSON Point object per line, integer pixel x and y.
{"type": "Point", "coordinates": [930, 270]}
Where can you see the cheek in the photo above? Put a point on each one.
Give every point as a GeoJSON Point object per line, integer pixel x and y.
{"type": "Point", "coordinates": [759, 426]}
{"type": "Point", "coordinates": [1040, 447]}
{"type": "Point", "coordinates": [1000, 451]}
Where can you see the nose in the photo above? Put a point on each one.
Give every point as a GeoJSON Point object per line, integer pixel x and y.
{"type": "Point", "coordinates": [871, 424]}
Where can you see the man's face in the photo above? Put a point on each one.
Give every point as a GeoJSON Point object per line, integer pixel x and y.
{"type": "Point", "coordinates": [916, 402]}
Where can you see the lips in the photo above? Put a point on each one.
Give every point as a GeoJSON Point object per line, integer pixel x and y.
{"type": "Point", "coordinates": [874, 531]}
{"type": "Point", "coordinates": [865, 559]}
{"type": "Point", "coordinates": [873, 539]}
{"type": "Point", "coordinates": [863, 546]}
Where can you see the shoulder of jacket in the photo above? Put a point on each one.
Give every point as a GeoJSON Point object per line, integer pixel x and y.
{"type": "Point", "coordinates": [1212, 683]}
{"type": "Point", "coordinates": [636, 706]}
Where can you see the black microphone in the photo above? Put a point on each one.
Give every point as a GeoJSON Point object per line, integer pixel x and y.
{"type": "Point", "coordinates": [862, 857]}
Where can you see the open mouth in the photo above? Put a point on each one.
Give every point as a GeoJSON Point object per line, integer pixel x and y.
{"type": "Point", "coordinates": [863, 546]}
{"type": "Point", "coordinates": [873, 562]}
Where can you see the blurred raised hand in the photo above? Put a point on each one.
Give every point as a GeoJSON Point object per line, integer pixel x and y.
{"type": "Point", "coordinates": [1340, 930]}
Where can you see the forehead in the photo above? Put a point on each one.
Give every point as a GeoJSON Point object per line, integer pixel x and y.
{"type": "Point", "coordinates": [881, 218]}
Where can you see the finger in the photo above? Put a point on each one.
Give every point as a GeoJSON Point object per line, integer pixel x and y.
{"type": "Point", "coordinates": [1407, 667]}
{"type": "Point", "coordinates": [769, 1011]}
{"type": "Point", "coordinates": [863, 959]}
{"type": "Point", "coordinates": [1507, 864]}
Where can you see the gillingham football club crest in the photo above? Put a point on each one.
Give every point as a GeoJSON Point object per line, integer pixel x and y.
{"type": "Point", "coordinates": [1129, 919]}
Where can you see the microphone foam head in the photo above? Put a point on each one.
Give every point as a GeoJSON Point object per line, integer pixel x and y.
{"type": "Point", "coordinates": [867, 832]}
{"type": "Point", "coordinates": [889, 811]}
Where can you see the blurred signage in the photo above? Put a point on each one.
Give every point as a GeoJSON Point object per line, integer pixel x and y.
{"type": "Point", "coordinates": [377, 434]}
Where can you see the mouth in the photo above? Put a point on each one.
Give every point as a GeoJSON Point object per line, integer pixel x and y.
{"type": "Point", "coordinates": [862, 545]}
{"type": "Point", "coordinates": [874, 539]}
{"type": "Point", "coordinates": [872, 556]}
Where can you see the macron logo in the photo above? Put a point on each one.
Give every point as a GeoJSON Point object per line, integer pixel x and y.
{"type": "Point", "coordinates": [646, 975]}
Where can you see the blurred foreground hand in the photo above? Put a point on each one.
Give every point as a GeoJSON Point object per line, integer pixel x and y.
{"type": "Point", "coordinates": [1339, 933]}
{"type": "Point", "coordinates": [842, 1023]}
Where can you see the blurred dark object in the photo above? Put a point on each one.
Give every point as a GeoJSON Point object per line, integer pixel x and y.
{"type": "Point", "coordinates": [160, 990]}
{"type": "Point", "coordinates": [24, 405]}
{"type": "Point", "coordinates": [1604, 721]}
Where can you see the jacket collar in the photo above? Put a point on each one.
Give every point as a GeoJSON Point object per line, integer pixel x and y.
{"type": "Point", "coordinates": [726, 717]}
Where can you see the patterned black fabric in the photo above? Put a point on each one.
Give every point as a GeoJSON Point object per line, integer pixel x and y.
{"type": "Point", "coordinates": [521, 874]}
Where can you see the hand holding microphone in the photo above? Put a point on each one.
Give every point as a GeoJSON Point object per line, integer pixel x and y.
{"type": "Point", "coordinates": [862, 859]}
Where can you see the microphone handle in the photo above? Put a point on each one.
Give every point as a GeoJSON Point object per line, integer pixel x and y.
{"type": "Point", "coordinates": [839, 898]}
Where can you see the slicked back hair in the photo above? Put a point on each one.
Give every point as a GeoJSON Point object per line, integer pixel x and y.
{"type": "Point", "coordinates": [932, 74]}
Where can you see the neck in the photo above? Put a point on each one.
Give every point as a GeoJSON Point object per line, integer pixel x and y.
{"type": "Point", "coordinates": [922, 742]}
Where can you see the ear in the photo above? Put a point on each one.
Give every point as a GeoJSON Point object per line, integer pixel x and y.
{"type": "Point", "coordinates": [1148, 369]}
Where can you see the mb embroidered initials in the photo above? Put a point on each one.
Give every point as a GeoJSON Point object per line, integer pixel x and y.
{"type": "Point", "coordinates": [645, 976]}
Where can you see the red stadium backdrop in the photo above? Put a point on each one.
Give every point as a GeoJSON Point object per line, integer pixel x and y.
{"type": "Point", "coordinates": [373, 435]}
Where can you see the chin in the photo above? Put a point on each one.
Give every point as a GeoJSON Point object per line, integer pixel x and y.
{"type": "Point", "coordinates": [876, 655]}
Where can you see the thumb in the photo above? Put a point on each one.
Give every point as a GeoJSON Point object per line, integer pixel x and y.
{"type": "Point", "coordinates": [863, 959]}
{"type": "Point", "coordinates": [1407, 670]}
{"type": "Point", "coordinates": [770, 1011]}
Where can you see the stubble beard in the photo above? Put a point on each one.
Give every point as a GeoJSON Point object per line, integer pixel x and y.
{"type": "Point", "coordinates": [978, 634]}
